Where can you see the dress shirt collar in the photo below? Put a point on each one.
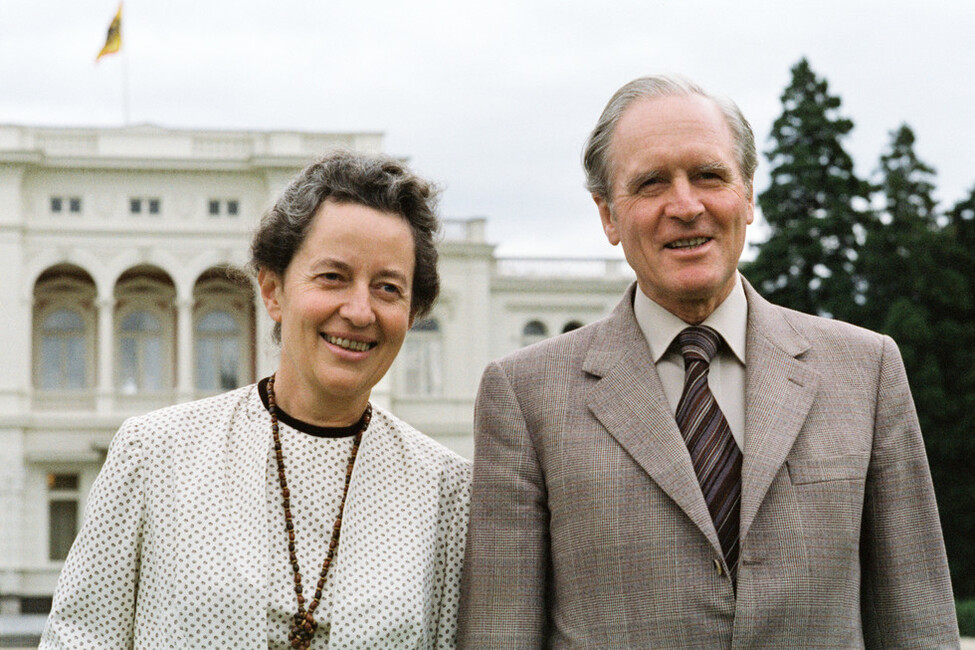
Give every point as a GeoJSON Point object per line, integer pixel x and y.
{"type": "Point", "coordinates": [660, 327]}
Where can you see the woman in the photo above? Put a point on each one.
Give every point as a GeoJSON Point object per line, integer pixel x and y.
{"type": "Point", "coordinates": [290, 513]}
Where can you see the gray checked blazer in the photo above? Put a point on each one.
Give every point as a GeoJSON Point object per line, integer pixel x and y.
{"type": "Point", "coordinates": [589, 530]}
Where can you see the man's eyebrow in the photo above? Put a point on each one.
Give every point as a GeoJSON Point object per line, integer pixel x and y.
{"type": "Point", "coordinates": [635, 182]}
{"type": "Point", "coordinates": [715, 167]}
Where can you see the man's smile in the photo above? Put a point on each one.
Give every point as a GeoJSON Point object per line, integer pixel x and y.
{"type": "Point", "coordinates": [690, 242]}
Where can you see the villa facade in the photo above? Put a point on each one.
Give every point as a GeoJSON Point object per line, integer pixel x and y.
{"type": "Point", "coordinates": [120, 250]}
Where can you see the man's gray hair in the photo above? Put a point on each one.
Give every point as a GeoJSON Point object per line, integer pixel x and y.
{"type": "Point", "coordinates": [596, 158]}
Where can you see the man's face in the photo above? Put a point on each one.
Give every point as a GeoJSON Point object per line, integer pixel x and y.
{"type": "Point", "coordinates": [678, 203]}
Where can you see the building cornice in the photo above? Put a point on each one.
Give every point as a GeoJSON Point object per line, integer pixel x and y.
{"type": "Point", "coordinates": [154, 148]}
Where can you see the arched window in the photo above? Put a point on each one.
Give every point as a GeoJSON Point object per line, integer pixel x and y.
{"type": "Point", "coordinates": [63, 336]}
{"type": "Point", "coordinates": [533, 332]}
{"type": "Point", "coordinates": [217, 352]}
{"type": "Point", "coordinates": [571, 325]}
{"type": "Point", "coordinates": [140, 361]}
{"type": "Point", "coordinates": [422, 359]}
{"type": "Point", "coordinates": [224, 348]}
{"type": "Point", "coordinates": [145, 317]}
{"type": "Point", "coordinates": [62, 347]}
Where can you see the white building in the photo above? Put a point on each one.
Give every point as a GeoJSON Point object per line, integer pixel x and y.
{"type": "Point", "coordinates": [116, 299]}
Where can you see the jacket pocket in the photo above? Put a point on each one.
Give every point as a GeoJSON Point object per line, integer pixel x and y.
{"type": "Point", "coordinates": [850, 467]}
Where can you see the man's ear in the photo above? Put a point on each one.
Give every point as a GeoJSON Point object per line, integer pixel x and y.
{"type": "Point", "coordinates": [606, 216]}
{"type": "Point", "coordinates": [271, 285]}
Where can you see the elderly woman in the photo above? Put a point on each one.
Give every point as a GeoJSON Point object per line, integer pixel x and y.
{"type": "Point", "coordinates": [290, 513]}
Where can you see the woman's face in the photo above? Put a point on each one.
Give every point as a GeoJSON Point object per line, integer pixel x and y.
{"type": "Point", "coordinates": [344, 308]}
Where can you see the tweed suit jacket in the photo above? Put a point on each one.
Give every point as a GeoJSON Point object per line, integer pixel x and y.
{"type": "Point", "coordinates": [589, 530]}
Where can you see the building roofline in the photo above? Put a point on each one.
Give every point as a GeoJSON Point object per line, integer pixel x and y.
{"type": "Point", "coordinates": [156, 148]}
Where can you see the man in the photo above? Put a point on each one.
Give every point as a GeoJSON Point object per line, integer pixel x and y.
{"type": "Point", "coordinates": [635, 489]}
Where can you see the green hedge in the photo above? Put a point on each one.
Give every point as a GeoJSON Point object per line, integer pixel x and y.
{"type": "Point", "coordinates": [966, 616]}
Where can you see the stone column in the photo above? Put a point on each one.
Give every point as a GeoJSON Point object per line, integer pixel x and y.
{"type": "Point", "coordinates": [106, 354]}
{"type": "Point", "coordinates": [184, 350]}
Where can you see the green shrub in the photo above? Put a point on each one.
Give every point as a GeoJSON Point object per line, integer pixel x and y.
{"type": "Point", "coordinates": [966, 616]}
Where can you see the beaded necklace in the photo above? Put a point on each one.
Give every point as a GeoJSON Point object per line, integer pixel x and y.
{"type": "Point", "coordinates": [304, 624]}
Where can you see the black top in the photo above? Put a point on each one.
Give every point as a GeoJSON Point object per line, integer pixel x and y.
{"type": "Point", "coordinates": [305, 427]}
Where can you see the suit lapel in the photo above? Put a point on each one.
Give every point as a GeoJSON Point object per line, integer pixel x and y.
{"type": "Point", "coordinates": [779, 391]}
{"type": "Point", "coordinates": [629, 402]}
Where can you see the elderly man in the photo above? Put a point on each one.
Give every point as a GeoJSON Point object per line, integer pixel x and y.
{"type": "Point", "coordinates": [701, 468]}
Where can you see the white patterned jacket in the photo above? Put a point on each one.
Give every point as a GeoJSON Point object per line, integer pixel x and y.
{"type": "Point", "coordinates": [173, 551]}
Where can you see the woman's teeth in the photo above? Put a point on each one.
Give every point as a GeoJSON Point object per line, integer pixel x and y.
{"type": "Point", "coordinates": [349, 344]}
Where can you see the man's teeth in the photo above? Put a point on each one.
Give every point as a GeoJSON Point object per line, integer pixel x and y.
{"type": "Point", "coordinates": [687, 243]}
{"type": "Point", "coordinates": [348, 344]}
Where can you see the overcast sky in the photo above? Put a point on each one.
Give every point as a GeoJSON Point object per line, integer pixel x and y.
{"type": "Point", "coordinates": [493, 99]}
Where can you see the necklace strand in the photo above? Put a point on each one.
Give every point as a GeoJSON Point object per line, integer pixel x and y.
{"type": "Point", "coordinates": [304, 625]}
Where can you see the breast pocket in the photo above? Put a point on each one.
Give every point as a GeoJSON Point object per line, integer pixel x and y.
{"type": "Point", "coordinates": [828, 495]}
{"type": "Point", "coordinates": [850, 467]}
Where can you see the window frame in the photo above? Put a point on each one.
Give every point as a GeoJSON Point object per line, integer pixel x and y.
{"type": "Point", "coordinates": [238, 336]}
{"type": "Point", "coordinates": [218, 291]}
{"type": "Point", "coordinates": [142, 341]}
{"type": "Point", "coordinates": [71, 495]}
{"type": "Point", "coordinates": [530, 337]}
{"type": "Point", "coordinates": [141, 206]}
{"type": "Point", "coordinates": [76, 295]}
{"type": "Point", "coordinates": [422, 366]}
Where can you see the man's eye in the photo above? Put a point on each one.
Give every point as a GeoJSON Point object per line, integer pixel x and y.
{"type": "Point", "coordinates": [711, 176]}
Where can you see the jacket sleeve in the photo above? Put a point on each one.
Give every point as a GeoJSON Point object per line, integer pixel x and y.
{"type": "Point", "coordinates": [454, 513]}
{"type": "Point", "coordinates": [906, 592]}
{"type": "Point", "coordinates": [94, 604]}
{"type": "Point", "coordinates": [503, 592]}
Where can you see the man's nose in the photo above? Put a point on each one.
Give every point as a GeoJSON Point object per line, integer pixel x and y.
{"type": "Point", "coordinates": [682, 201]}
{"type": "Point", "coordinates": [357, 307]}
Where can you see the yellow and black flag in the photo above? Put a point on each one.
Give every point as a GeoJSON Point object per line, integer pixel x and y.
{"type": "Point", "coordinates": [113, 41]}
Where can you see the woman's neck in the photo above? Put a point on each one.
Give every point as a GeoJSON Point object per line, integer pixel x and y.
{"type": "Point", "coordinates": [319, 410]}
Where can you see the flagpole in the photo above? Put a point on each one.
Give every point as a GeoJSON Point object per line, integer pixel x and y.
{"type": "Point", "coordinates": [113, 45]}
{"type": "Point", "coordinates": [125, 88]}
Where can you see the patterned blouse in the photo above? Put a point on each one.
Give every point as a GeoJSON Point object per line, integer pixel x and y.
{"type": "Point", "coordinates": [183, 543]}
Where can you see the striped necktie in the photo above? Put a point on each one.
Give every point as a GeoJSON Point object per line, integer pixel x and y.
{"type": "Point", "coordinates": [714, 453]}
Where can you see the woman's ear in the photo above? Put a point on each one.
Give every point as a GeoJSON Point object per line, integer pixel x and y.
{"type": "Point", "coordinates": [272, 285]}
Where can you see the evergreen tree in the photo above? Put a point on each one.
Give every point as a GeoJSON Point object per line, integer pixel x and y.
{"type": "Point", "coordinates": [897, 261]}
{"type": "Point", "coordinates": [919, 272]}
{"type": "Point", "coordinates": [951, 451]}
{"type": "Point", "coordinates": [816, 207]}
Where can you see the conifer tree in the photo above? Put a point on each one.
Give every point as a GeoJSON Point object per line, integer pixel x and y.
{"type": "Point", "coordinates": [918, 268]}
{"type": "Point", "coordinates": [816, 207]}
{"type": "Point", "coordinates": [897, 261]}
{"type": "Point", "coordinates": [950, 453]}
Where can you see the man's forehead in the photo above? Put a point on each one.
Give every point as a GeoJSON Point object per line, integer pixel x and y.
{"type": "Point", "coordinates": [686, 130]}
{"type": "Point", "coordinates": [687, 115]}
